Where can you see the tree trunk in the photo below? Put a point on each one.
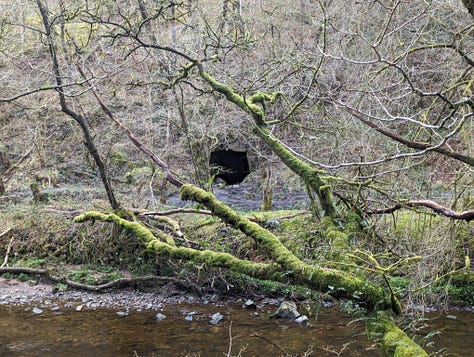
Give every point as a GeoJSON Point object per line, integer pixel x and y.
{"type": "Point", "coordinates": [88, 142]}
{"type": "Point", "coordinates": [4, 165]}
{"type": "Point", "coordinates": [267, 190]}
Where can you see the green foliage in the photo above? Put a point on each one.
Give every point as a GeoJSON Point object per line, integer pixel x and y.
{"type": "Point", "coordinates": [299, 234]}
{"type": "Point", "coordinates": [24, 277]}
{"type": "Point", "coordinates": [32, 262]}
{"type": "Point", "coordinates": [9, 275]}
{"type": "Point", "coordinates": [59, 287]}
{"type": "Point", "coordinates": [138, 173]}
{"type": "Point", "coordinates": [92, 276]}
{"type": "Point", "coordinates": [461, 288]}
{"type": "Point", "coordinates": [399, 283]}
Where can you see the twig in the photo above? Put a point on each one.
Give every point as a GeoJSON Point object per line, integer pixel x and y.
{"type": "Point", "coordinates": [9, 247]}
{"type": "Point", "coordinates": [270, 342]}
{"type": "Point", "coordinates": [176, 211]}
{"type": "Point", "coordinates": [229, 351]}
{"type": "Point", "coordinates": [5, 232]}
{"type": "Point", "coordinates": [436, 207]}
{"type": "Point", "coordinates": [112, 284]}
{"type": "Point", "coordinates": [64, 212]}
{"type": "Point", "coordinates": [293, 215]}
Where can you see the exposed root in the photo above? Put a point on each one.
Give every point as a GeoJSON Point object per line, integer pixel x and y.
{"type": "Point", "coordinates": [112, 284]}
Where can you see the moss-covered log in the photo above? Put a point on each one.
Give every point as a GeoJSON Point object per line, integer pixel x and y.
{"type": "Point", "coordinates": [210, 258]}
{"type": "Point", "coordinates": [138, 229]}
{"type": "Point", "coordinates": [394, 341]}
{"type": "Point", "coordinates": [338, 283]}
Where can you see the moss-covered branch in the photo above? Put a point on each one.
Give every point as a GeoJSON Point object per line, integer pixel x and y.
{"type": "Point", "coordinates": [138, 229]}
{"type": "Point", "coordinates": [394, 341]}
{"type": "Point", "coordinates": [315, 179]}
{"type": "Point", "coordinates": [210, 258]}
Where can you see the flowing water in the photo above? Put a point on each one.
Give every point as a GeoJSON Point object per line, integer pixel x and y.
{"type": "Point", "coordinates": [105, 333]}
{"type": "Point", "coordinates": [67, 332]}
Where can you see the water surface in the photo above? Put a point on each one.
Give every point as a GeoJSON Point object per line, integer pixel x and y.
{"type": "Point", "coordinates": [67, 332]}
{"type": "Point", "coordinates": [104, 333]}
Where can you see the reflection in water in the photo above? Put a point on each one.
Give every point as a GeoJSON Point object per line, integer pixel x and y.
{"type": "Point", "coordinates": [105, 333]}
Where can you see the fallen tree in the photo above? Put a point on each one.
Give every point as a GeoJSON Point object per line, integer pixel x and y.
{"type": "Point", "coordinates": [284, 265]}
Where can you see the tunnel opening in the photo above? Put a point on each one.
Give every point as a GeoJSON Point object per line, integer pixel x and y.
{"type": "Point", "coordinates": [229, 165]}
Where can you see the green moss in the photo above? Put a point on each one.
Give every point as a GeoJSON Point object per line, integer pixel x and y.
{"type": "Point", "coordinates": [312, 177]}
{"type": "Point", "coordinates": [92, 276]}
{"type": "Point", "coordinates": [246, 105]}
{"type": "Point", "coordinates": [344, 284]}
{"type": "Point", "coordinates": [135, 228]}
{"type": "Point", "coordinates": [394, 341]}
{"type": "Point", "coordinates": [338, 239]}
{"type": "Point", "coordinates": [461, 288]}
{"type": "Point", "coordinates": [414, 223]}
{"type": "Point", "coordinates": [267, 240]}
{"type": "Point", "coordinates": [211, 258]}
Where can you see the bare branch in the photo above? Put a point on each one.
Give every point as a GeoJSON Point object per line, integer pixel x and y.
{"type": "Point", "coordinates": [436, 207]}
{"type": "Point", "coordinates": [424, 147]}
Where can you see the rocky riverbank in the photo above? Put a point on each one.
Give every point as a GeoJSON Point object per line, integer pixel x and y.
{"type": "Point", "coordinates": [15, 292]}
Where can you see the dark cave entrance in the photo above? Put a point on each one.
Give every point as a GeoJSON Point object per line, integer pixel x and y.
{"type": "Point", "coordinates": [229, 165]}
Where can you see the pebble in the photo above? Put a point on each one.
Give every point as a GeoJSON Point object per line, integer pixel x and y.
{"type": "Point", "coordinates": [160, 316]}
{"type": "Point", "coordinates": [37, 311]}
{"type": "Point", "coordinates": [250, 304]}
{"type": "Point", "coordinates": [302, 320]}
{"type": "Point", "coordinates": [216, 318]}
{"type": "Point", "coordinates": [122, 313]}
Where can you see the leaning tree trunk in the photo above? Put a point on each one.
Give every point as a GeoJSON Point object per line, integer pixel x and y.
{"type": "Point", "coordinates": [88, 141]}
{"type": "Point", "coordinates": [284, 265]}
{"type": "Point", "coordinates": [393, 340]}
{"type": "Point", "coordinates": [317, 180]}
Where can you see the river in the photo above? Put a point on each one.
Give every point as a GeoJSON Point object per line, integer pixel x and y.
{"type": "Point", "coordinates": [64, 331]}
